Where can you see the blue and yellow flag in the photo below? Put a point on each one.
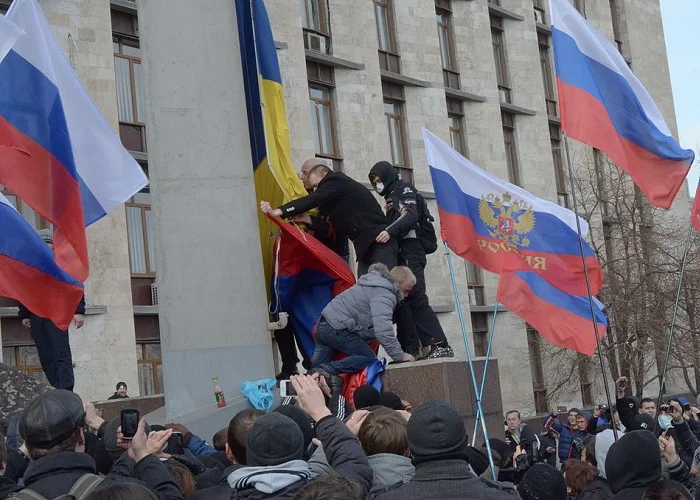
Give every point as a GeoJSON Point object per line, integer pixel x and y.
{"type": "Point", "coordinates": [276, 180]}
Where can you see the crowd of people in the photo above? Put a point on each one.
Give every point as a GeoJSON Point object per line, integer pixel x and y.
{"type": "Point", "coordinates": [376, 447]}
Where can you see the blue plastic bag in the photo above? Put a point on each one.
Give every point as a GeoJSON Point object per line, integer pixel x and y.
{"type": "Point", "coordinates": [259, 393]}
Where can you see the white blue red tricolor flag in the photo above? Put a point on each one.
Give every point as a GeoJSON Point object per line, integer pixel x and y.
{"type": "Point", "coordinates": [604, 105]}
{"type": "Point", "coordinates": [29, 273]}
{"type": "Point", "coordinates": [57, 152]}
{"type": "Point", "coordinates": [501, 227]}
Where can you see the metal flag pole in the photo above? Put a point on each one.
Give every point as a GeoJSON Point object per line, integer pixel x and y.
{"type": "Point", "coordinates": [588, 280]}
{"type": "Point", "coordinates": [479, 409]}
{"type": "Point", "coordinates": [662, 380]}
{"type": "Point", "coordinates": [480, 394]}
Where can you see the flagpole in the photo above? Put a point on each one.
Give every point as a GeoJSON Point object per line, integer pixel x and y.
{"type": "Point", "coordinates": [480, 395]}
{"type": "Point", "coordinates": [662, 379]}
{"type": "Point", "coordinates": [588, 279]}
{"type": "Point", "coordinates": [479, 409]}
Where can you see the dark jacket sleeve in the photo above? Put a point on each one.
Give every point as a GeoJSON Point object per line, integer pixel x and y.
{"type": "Point", "coordinates": [686, 438]}
{"type": "Point", "coordinates": [81, 307]}
{"type": "Point", "coordinates": [626, 413]}
{"type": "Point", "coordinates": [199, 447]}
{"type": "Point", "coordinates": [406, 200]}
{"type": "Point", "coordinates": [320, 227]}
{"type": "Point", "coordinates": [151, 471]}
{"type": "Point", "coordinates": [344, 452]}
{"type": "Point", "coordinates": [16, 465]}
{"type": "Point", "coordinates": [339, 406]}
{"type": "Point", "coordinates": [325, 192]}
{"type": "Point", "coordinates": [679, 472]}
{"type": "Point", "coordinates": [23, 312]}
{"type": "Point", "coordinates": [592, 426]}
{"type": "Point", "coordinates": [694, 427]}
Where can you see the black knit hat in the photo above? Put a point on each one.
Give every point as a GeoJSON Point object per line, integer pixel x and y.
{"type": "Point", "coordinates": [303, 420]}
{"type": "Point", "coordinates": [51, 418]}
{"type": "Point", "coordinates": [273, 440]}
{"type": "Point", "coordinates": [436, 432]}
{"type": "Point", "coordinates": [643, 422]}
{"type": "Point", "coordinates": [365, 396]}
{"type": "Point", "coordinates": [542, 482]}
{"type": "Point", "coordinates": [391, 400]}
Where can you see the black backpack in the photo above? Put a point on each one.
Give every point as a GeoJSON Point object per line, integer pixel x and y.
{"type": "Point", "coordinates": [81, 489]}
{"type": "Point", "coordinates": [424, 227]}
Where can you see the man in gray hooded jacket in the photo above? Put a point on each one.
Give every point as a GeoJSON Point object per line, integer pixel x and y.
{"type": "Point", "coordinates": [362, 313]}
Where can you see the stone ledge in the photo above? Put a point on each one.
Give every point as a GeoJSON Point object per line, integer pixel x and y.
{"type": "Point", "coordinates": [392, 77]}
{"type": "Point", "coordinates": [336, 62]}
{"type": "Point", "coordinates": [544, 29]}
{"type": "Point", "coordinates": [518, 110]}
{"type": "Point", "coordinates": [90, 310]}
{"type": "Point", "coordinates": [108, 409]}
{"type": "Point", "coordinates": [281, 45]}
{"type": "Point", "coordinates": [499, 11]}
{"type": "Point", "coordinates": [464, 96]}
{"type": "Point", "coordinates": [145, 310]}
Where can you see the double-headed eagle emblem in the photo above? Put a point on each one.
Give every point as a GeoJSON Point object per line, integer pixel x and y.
{"type": "Point", "coordinates": [507, 219]}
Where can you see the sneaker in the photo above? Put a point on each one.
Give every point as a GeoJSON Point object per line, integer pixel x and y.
{"type": "Point", "coordinates": [437, 351]}
{"type": "Point", "coordinates": [334, 382]}
{"type": "Point", "coordinates": [286, 375]}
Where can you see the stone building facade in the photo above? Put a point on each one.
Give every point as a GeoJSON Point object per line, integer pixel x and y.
{"type": "Point", "coordinates": [361, 79]}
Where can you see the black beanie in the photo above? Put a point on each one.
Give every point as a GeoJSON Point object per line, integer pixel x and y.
{"type": "Point", "coordinates": [542, 482]}
{"type": "Point", "coordinates": [436, 432]}
{"type": "Point", "coordinates": [273, 440]}
{"type": "Point", "coordinates": [633, 461]}
{"type": "Point", "coordinates": [365, 396]}
{"type": "Point", "coordinates": [643, 422]}
{"type": "Point", "coordinates": [391, 400]}
{"type": "Point", "coordinates": [479, 459]}
{"type": "Point", "coordinates": [302, 419]}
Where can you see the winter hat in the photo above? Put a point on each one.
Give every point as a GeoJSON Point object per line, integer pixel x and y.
{"type": "Point", "coordinates": [542, 482]}
{"type": "Point", "coordinates": [365, 396]}
{"type": "Point", "coordinates": [586, 414]}
{"type": "Point", "coordinates": [391, 400]}
{"type": "Point", "coordinates": [479, 460]}
{"type": "Point", "coordinates": [302, 419]}
{"type": "Point", "coordinates": [436, 432]}
{"type": "Point", "coordinates": [643, 422]}
{"type": "Point", "coordinates": [633, 462]}
{"type": "Point", "coordinates": [501, 448]}
{"type": "Point", "coordinates": [51, 418]}
{"type": "Point", "coordinates": [273, 440]}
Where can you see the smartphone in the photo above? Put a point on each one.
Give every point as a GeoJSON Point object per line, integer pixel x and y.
{"type": "Point", "coordinates": [130, 423]}
{"type": "Point", "coordinates": [561, 409]}
{"type": "Point", "coordinates": [175, 445]}
{"type": "Point", "coordinates": [287, 389]}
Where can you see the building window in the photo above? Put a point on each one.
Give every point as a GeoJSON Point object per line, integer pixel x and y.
{"type": "Point", "coordinates": [396, 124]}
{"type": "Point", "coordinates": [615, 15]}
{"type": "Point", "coordinates": [499, 56]}
{"type": "Point", "coordinates": [580, 6]}
{"type": "Point", "coordinates": [475, 283]}
{"type": "Point", "coordinates": [559, 172]}
{"type": "Point", "coordinates": [139, 228]}
{"type": "Point", "coordinates": [508, 120]}
{"type": "Point", "coordinates": [547, 74]}
{"type": "Point", "coordinates": [540, 16]}
{"type": "Point", "coordinates": [129, 80]}
{"type": "Point", "coordinates": [455, 115]}
{"type": "Point", "coordinates": [321, 87]}
{"type": "Point", "coordinates": [480, 333]}
{"type": "Point", "coordinates": [25, 359]}
{"type": "Point", "coordinates": [443, 14]}
{"type": "Point", "coordinates": [538, 387]}
{"type": "Point", "coordinates": [388, 52]}
{"type": "Point", "coordinates": [150, 368]}
{"type": "Point", "coordinates": [34, 219]}
{"type": "Point", "coordinates": [315, 21]}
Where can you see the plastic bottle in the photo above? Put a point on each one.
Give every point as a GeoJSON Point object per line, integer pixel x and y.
{"type": "Point", "coordinates": [218, 393]}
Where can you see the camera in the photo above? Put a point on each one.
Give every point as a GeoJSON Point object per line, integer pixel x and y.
{"type": "Point", "coordinates": [665, 406]}
{"type": "Point", "coordinates": [578, 444]}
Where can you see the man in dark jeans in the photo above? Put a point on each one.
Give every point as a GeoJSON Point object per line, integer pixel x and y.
{"type": "Point", "coordinates": [52, 343]}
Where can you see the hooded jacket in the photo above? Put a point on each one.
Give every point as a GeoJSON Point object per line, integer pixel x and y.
{"type": "Point", "coordinates": [632, 464]}
{"type": "Point", "coordinates": [351, 208]}
{"type": "Point", "coordinates": [367, 309]}
{"type": "Point", "coordinates": [566, 436]}
{"type": "Point", "coordinates": [390, 469]}
{"type": "Point", "coordinates": [402, 209]}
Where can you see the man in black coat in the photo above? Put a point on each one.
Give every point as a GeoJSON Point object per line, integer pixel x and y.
{"type": "Point", "coordinates": [52, 343]}
{"type": "Point", "coordinates": [52, 428]}
{"type": "Point", "coordinates": [415, 319]}
{"type": "Point", "coordinates": [351, 209]}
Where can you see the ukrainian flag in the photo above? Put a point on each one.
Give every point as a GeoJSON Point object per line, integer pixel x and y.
{"type": "Point", "coordinates": [276, 180]}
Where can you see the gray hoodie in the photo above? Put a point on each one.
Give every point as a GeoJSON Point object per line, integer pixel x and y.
{"type": "Point", "coordinates": [367, 309]}
{"type": "Point", "coordinates": [390, 469]}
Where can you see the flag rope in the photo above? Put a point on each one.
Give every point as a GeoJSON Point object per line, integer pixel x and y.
{"type": "Point", "coordinates": [588, 281]}
{"type": "Point", "coordinates": [479, 409]}
{"type": "Point", "coordinates": [480, 394]}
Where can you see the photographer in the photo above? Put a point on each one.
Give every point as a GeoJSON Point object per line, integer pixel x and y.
{"type": "Point", "coordinates": [603, 418]}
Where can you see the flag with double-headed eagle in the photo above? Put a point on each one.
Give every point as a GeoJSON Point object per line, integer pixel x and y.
{"type": "Point", "coordinates": [502, 228]}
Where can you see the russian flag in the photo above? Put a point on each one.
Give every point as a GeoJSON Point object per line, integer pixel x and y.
{"type": "Point", "coordinates": [563, 319]}
{"type": "Point", "coordinates": [605, 106]}
{"type": "Point", "coordinates": [29, 273]}
{"type": "Point", "coordinates": [501, 227]}
{"type": "Point", "coordinates": [57, 152]}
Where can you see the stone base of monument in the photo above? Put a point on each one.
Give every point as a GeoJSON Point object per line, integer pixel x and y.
{"type": "Point", "coordinates": [450, 380]}
{"type": "Point", "coordinates": [17, 389]}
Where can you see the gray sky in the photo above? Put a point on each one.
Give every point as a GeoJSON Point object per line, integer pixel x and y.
{"type": "Point", "coordinates": [681, 19]}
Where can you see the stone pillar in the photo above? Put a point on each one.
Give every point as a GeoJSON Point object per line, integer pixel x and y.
{"type": "Point", "coordinates": [104, 350]}
{"type": "Point", "coordinates": [212, 301]}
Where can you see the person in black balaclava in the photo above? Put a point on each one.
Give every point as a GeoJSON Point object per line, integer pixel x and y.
{"type": "Point", "coordinates": [415, 319]}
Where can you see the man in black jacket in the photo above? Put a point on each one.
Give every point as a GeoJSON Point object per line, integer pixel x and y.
{"type": "Point", "coordinates": [52, 343]}
{"type": "Point", "coordinates": [351, 209]}
{"type": "Point", "coordinates": [52, 429]}
{"type": "Point", "coordinates": [415, 319]}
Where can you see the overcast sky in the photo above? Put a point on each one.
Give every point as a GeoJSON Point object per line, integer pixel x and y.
{"type": "Point", "coordinates": [681, 19]}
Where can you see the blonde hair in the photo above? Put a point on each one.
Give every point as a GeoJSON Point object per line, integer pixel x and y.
{"type": "Point", "coordinates": [402, 274]}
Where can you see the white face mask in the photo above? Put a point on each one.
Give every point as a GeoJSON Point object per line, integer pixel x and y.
{"type": "Point", "coordinates": [379, 187]}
